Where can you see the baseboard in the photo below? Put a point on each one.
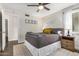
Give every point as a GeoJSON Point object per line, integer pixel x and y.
{"type": "Point", "coordinates": [13, 41]}
{"type": "Point", "coordinates": [21, 43]}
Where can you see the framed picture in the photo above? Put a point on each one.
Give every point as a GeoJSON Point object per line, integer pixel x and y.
{"type": "Point", "coordinates": [35, 22]}
{"type": "Point", "coordinates": [30, 21]}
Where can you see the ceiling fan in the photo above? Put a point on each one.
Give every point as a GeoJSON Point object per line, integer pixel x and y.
{"type": "Point", "coordinates": [40, 6]}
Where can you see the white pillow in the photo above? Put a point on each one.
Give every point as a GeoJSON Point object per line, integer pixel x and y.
{"type": "Point", "coordinates": [60, 33]}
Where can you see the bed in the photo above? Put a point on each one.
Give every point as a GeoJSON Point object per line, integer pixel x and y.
{"type": "Point", "coordinates": [42, 44]}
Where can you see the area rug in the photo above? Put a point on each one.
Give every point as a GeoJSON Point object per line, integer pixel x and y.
{"type": "Point", "coordinates": [21, 50]}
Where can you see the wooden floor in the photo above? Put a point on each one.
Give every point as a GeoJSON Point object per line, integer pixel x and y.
{"type": "Point", "coordinates": [9, 49]}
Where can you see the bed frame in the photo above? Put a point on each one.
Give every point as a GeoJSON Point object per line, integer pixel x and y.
{"type": "Point", "coordinates": [44, 51]}
{"type": "Point", "coordinates": [47, 49]}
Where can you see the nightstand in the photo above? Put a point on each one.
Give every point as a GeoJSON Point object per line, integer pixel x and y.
{"type": "Point", "coordinates": [67, 42]}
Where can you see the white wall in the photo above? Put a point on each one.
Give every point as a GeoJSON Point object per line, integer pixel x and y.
{"type": "Point", "coordinates": [12, 23]}
{"type": "Point", "coordinates": [25, 27]}
{"type": "Point", "coordinates": [52, 21]}
{"type": "Point", "coordinates": [68, 22]}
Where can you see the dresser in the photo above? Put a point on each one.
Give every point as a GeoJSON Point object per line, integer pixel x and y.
{"type": "Point", "coordinates": [67, 42]}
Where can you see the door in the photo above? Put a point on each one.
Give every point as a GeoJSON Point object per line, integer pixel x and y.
{"type": "Point", "coordinates": [6, 31]}
{"type": "Point", "coordinates": [0, 31]}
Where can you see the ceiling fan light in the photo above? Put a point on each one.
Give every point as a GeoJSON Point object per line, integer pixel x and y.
{"type": "Point", "coordinates": [41, 7]}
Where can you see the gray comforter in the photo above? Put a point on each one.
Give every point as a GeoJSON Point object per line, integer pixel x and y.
{"type": "Point", "coordinates": [40, 40]}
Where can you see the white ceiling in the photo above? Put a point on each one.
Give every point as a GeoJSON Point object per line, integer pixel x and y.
{"type": "Point", "coordinates": [54, 7]}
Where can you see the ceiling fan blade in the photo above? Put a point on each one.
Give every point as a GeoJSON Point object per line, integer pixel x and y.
{"type": "Point", "coordinates": [27, 15]}
{"type": "Point", "coordinates": [46, 8]}
{"type": "Point", "coordinates": [32, 5]}
{"type": "Point", "coordinates": [38, 10]}
{"type": "Point", "coordinates": [45, 3]}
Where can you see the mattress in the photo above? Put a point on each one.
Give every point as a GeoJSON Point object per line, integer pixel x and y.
{"type": "Point", "coordinates": [43, 51]}
{"type": "Point", "coordinates": [41, 40]}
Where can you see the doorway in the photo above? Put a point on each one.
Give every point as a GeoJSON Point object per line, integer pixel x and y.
{"type": "Point", "coordinates": [6, 29]}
